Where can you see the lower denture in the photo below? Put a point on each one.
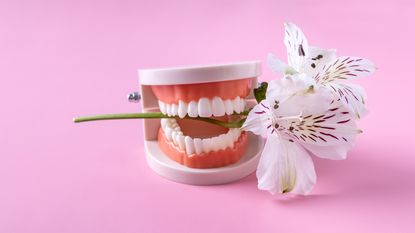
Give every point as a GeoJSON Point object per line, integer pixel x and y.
{"type": "Point", "coordinates": [210, 159]}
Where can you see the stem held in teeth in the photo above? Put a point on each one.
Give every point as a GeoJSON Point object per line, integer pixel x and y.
{"type": "Point", "coordinates": [159, 115]}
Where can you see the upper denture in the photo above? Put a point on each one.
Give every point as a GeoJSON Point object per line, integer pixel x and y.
{"type": "Point", "coordinates": [203, 100]}
{"type": "Point", "coordinates": [204, 107]}
{"type": "Point", "coordinates": [172, 94]}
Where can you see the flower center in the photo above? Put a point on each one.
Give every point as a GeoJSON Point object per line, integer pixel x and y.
{"type": "Point", "coordinates": [285, 122]}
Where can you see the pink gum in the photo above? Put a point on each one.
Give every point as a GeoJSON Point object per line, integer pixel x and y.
{"type": "Point", "coordinates": [171, 94]}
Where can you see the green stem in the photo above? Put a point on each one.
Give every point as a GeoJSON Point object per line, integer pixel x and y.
{"type": "Point", "coordinates": [146, 115]}
{"type": "Point", "coordinates": [158, 115]}
{"type": "Point", "coordinates": [232, 124]}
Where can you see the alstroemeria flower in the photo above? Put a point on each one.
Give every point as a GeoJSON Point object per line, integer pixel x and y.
{"type": "Point", "coordinates": [323, 66]}
{"type": "Point", "coordinates": [296, 118]}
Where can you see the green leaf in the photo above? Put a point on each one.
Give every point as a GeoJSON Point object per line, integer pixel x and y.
{"type": "Point", "coordinates": [260, 92]}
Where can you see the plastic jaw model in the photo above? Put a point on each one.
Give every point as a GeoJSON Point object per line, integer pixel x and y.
{"type": "Point", "coordinates": [197, 152]}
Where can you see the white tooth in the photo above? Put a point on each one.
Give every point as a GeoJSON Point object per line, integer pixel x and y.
{"type": "Point", "coordinates": [218, 108]}
{"type": "Point", "coordinates": [180, 141]}
{"type": "Point", "coordinates": [174, 124]}
{"type": "Point", "coordinates": [222, 142]}
{"type": "Point", "coordinates": [182, 111]}
{"type": "Point", "coordinates": [177, 129]}
{"type": "Point", "coordinates": [206, 145]}
{"type": "Point", "coordinates": [204, 107]}
{"type": "Point", "coordinates": [162, 107]}
{"type": "Point", "coordinates": [168, 133]}
{"type": "Point", "coordinates": [163, 123]}
{"type": "Point", "coordinates": [230, 132]}
{"type": "Point", "coordinates": [236, 133]}
{"type": "Point", "coordinates": [229, 140]}
{"type": "Point", "coordinates": [168, 109]}
{"type": "Point", "coordinates": [233, 134]}
{"type": "Point", "coordinates": [228, 107]}
{"type": "Point", "coordinates": [237, 104]}
{"type": "Point", "coordinates": [214, 144]}
{"type": "Point", "coordinates": [173, 136]}
{"type": "Point", "coordinates": [174, 109]}
{"type": "Point", "coordinates": [190, 147]}
{"type": "Point", "coordinates": [198, 145]}
{"type": "Point", "coordinates": [242, 105]}
{"type": "Point", "coordinates": [192, 109]}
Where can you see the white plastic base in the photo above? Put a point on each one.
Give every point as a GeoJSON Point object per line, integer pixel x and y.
{"type": "Point", "coordinates": [174, 171]}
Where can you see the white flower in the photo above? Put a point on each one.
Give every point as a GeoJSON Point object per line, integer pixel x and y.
{"type": "Point", "coordinates": [295, 116]}
{"type": "Point", "coordinates": [323, 66]}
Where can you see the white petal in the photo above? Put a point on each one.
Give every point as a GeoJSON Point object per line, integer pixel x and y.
{"type": "Point", "coordinates": [285, 167]}
{"type": "Point", "coordinates": [296, 44]}
{"type": "Point", "coordinates": [284, 88]}
{"type": "Point", "coordinates": [317, 59]}
{"type": "Point", "coordinates": [344, 68]}
{"type": "Point", "coordinates": [259, 119]}
{"type": "Point", "coordinates": [297, 95]}
{"type": "Point", "coordinates": [352, 96]}
{"type": "Point", "coordinates": [276, 65]}
{"type": "Point", "coordinates": [328, 135]}
{"type": "Point", "coordinates": [335, 152]}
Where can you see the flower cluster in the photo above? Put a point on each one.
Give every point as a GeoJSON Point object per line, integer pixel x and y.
{"type": "Point", "coordinates": [312, 109]}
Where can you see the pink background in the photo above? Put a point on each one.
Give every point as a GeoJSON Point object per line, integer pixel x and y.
{"type": "Point", "coordinates": [60, 59]}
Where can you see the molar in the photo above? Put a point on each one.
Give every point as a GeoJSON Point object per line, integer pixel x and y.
{"type": "Point", "coordinates": [181, 142]}
{"type": "Point", "coordinates": [173, 136]}
{"type": "Point", "coordinates": [222, 141]}
{"type": "Point", "coordinates": [214, 144]}
{"type": "Point", "coordinates": [163, 123]}
{"type": "Point", "coordinates": [168, 133]}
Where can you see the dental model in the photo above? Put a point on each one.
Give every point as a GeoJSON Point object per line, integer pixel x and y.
{"type": "Point", "coordinates": [200, 122]}
{"type": "Point", "coordinates": [182, 149]}
{"type": "Point", "coordinates": [192, 118]}
{"type": "Point", "coordinates": [198, 144]}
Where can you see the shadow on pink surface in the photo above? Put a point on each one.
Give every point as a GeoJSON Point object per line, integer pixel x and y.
{"type": "Point", "coordinates": [360, 178]}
